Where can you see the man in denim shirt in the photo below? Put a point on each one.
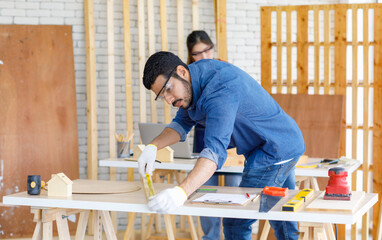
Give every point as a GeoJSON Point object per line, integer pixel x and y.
{"type": "Point", "coordinates": [237, 112]}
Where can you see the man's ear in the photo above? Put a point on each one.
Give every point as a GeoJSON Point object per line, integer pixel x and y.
{"type": "Point", "coordinates": [182, 72]}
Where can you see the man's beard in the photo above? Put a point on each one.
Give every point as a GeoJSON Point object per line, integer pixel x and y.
{"type": "Point", "coordinates": [188, 97]}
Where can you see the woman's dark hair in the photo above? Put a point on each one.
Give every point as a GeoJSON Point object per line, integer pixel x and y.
{"type": "Point", "coordinates": [160, 63]}
{"type": "Point", "coordinates": [194, 38]}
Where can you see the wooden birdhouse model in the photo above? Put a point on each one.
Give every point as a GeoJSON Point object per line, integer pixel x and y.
{"type": "Point", "coordinates": [164, 155]}
{"type": "Point", "coordinates": [60, 186]}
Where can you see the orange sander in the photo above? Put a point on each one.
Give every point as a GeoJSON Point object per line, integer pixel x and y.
{"type": "Point", "coordinates": [338, 188]}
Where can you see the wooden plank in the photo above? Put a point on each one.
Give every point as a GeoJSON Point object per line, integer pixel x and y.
{"type": "Point", "coordinates": [151, 43]}
{"type": "Point", "coordinates": [38, 113]}
{"type": "Point", "coordinates": [377, 114]}
{"type": "Point", "coordinates": [320, 119]}
{"type": "Point", "coordinates": [316, 51]}
{"type": "Point", "coordinates": [340, 74]}
{"type": "Point", "coordinates": [180, 28]}
{"type": "Point", "coordinates": [141, 60]}
{"type": "Point", "coordinates": [111, 84]}
{"type": "Point", "coordinates": [111, 92]}
{"type": "Point", "coordinates": [163, 27]}
{"type": "Point", "coordinates": [289, 50]}
{"type": "Point", "coordinates": [221, 29]}
{"type": "Point", "coordinates": [302, 50]}
{"type": "Point", "coordinates": [340, 60]}
{"type": "Point", "coordinates": [366, 83]}
{"type": "Point", "coordinates": [279, 58]}
{"type": "Point", "coordinates": [195, 14]}
{"type": "Point", "coordinates": [84, 186]}
{"type": "Point", "coordinates": [326, 52]}
{"type": "Point", "coordinates": [128, 78]}
{"type": "Point", "coordinates": [319, 204]}
{"type": "Point", "coordinates": [266, 49]}
{"type": "Point", "coordinates": [91, 90]}
{"type": "Point", "coordinates": [354, 103]}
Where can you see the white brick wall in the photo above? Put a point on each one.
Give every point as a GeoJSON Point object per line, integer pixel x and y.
{"type": "Point", "coordinates": [243, 33]}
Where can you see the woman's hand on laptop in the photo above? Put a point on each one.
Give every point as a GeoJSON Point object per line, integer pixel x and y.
{"type": "Point", "coordinates": [146, 160]}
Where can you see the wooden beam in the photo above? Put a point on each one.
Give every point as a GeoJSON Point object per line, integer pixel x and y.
{"type": "Point", "coordinates": [289, 81]}
{"type": "Point", "coordinates": [377, 132]}
{"type": "Point", "coordinates": [141, 60]}
{"type": "Point", "coordinates": [151, 41]}
{"type": "Point", "coordinates": [128, 81]}
{"type": "Point", "coordinates": [316, 82]}
{"type": "Point", "coordinates": [279, 58]}
{"type": "Point", "coordinates": [111, 84]}
{"type": "Point", "coordinates": [221, 28]}
{"type": "Point", "coordinates": [180, 27]}
{"type": "Point", "coordinates": [340, 75]}
{"type": "Point", "coordinates": [91, 90]}
{"type": "Point", "coordinates": [302, 50]}
{"type": "Point", "coordinates": [195, 14]}
{"type": "Point", "coordinates": [163, 28]}
{"type": "Point", "coordinates": [366, 99]}
{"type": "Point", "coordinates": [266, 49]}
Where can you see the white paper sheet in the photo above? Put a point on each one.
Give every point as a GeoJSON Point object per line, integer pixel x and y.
{"type": "Point", "coordinates": [224, 198]}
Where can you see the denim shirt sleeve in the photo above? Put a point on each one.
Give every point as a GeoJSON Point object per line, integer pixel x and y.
{"type": "Point", "coordinates": [221, 108]}
{"type": "Point", "coordinates": [182, 123]}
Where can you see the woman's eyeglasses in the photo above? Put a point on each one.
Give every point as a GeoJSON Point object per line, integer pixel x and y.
{"type": "Point", "coordinates": [205, 50]}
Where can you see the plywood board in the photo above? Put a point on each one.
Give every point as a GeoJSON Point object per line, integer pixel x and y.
{"type": "Point", "coordinates": [319, 117]}
{"type": "Point", "coordinates": [38, 113]}
{"type": "Point", "coordinates": [319, 204]}
{"type": "Point", "coordinates": [103, 187]}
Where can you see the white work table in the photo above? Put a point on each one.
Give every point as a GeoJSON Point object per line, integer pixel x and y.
{"type": "Point", "coordinates": [135, 202]}
{"type": "Point", "coordinates": [188, 165]}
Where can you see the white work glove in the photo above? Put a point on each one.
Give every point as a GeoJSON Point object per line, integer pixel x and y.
{"type": "Point", "coordinates": [147, 159]}
{"type": "Point", "coordinates": [168, 200]}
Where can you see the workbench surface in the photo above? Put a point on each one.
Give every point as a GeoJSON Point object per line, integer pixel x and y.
{"type": "Point", "coordinates": [136, 202]}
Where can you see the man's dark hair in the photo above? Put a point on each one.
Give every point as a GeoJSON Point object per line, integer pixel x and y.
{"type": "Point", "coordinates": [160, 63]}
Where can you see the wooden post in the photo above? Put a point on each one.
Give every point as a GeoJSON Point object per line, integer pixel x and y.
{"type": "Point", "coordinates": [91, 90]}
{"type": "Point", "coordinates": [377, 131]}
{"type": "Point", "coordinates": [151, 35]}
{"type": "Point", "coordinates": [141, 60]}
{"type": "Point", "coordinates": [302, 49]}
{"type": "Point", "coordinates": [221, 28]}
{"type": "Point", "coordinates": [326, 51]}
{"type": "Point", "coordinates": [266, 49]}
{"type": "Point", "coordinates": [111, 84]}
{"type": "Point", "coordinates": [289, 49]}
{"type": "Point", "coordinates": [354, 103]}
{"type": "Point", "coordinates": [163, 27]}
{"type": "Point", "coordinates": [279, 58]}
{"type": "Point", "coordinates": [180, 27]}
{"type": "Point", "coordinates": [340, 74]}
{"type": "Point", "coordinates": [195, 14]}
{"type": "Point", "coordinates": [128, 81]}
{"type": "Point", "coordinates": [365, 163]}
{"type": "Point", "coordinates": [316, 84]}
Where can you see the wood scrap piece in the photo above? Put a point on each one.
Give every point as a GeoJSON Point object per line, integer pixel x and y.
{"type": "Point", "coordinates": [319, 204]}
{"type": "Point", "coordinates": [84, 186]}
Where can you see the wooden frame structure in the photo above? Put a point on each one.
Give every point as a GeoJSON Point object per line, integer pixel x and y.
{"type": "Point", "coordinates": [335, 55]}
{"type": "Point", "coordinates": [142, 35]}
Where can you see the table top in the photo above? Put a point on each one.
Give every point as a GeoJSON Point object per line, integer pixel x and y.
{"type": "Point", "coordinates": [188, 165]}
{"type": "Point", "coordinates": [136, 202]}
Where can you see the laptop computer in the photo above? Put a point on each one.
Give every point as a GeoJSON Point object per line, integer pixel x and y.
{"type": "Point", "coordinates": [149, 131]}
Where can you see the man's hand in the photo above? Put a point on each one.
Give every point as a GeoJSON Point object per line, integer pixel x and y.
{"type": "Point", "coordinates": [167, 200]}
{"type": "Point", "coordinates": [147, 159]}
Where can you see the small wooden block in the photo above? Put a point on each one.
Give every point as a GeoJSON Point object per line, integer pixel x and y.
{"type": "Point", "coordinates": [233, 159]}
{"type": "Point", "coordinates": [319, 204]}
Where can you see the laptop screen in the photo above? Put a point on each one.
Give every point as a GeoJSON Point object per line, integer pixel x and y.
{"type": "Point", "coordinates": [149, 131]}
